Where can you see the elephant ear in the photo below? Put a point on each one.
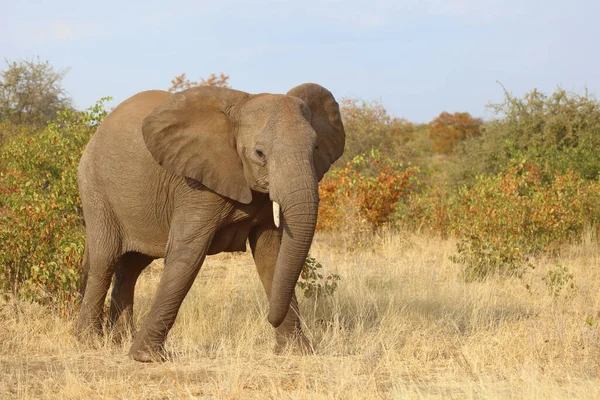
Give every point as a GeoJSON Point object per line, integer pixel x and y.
{"type": "Point", "coordinates": [191, 134]}
{"type": "Point", "coordinates": [326, 121]}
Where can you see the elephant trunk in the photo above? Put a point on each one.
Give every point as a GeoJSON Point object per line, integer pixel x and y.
{"type": "Point", "coordinates": [299, 207]}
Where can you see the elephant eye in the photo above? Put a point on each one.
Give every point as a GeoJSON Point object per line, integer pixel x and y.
{"type": "Point", "coordinates": [259, 157]}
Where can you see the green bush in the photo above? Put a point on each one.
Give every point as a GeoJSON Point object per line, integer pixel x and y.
{"type": "Point", "coordinates": [8, 130]}
{"type": "Point", "coordinates": [557, 132]}
{"type": "Point", "coordinates": [41, 229]}
{"type": "Point", "coordinates": [368, 126]}
{"type": "Point", "coordinates": [558, 280]}
{"type": "Point", "coordinates": [311, 280]}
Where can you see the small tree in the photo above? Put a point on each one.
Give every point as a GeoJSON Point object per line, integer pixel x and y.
{"type": "Point", "coordinates": [447, 130]}
{"type": "Point", "coordinates": [181, 82]}
{"type": "Point", "coordinates": [31, 92]}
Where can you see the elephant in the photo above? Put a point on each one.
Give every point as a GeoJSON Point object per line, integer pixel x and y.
{"type": "Point", "coordinates": [203, 171]}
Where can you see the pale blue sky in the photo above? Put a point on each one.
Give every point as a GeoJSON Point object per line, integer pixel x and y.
{"type": "Point", "coordinates": [418, 57]}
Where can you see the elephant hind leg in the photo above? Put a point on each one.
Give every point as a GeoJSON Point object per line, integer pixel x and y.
{"type": "Point", "coordinates": [103, 245]}
{"type": "Point", "coordinates": [129, 268]}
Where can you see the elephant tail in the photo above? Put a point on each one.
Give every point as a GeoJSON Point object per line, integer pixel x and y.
{"type": "Point", "coordinates": [85, 268]}
{"type": "Point", "coordinates": [79, 212]}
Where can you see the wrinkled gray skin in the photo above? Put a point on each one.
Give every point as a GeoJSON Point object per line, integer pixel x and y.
{"type": "Point", "coordinates": [186, 175]}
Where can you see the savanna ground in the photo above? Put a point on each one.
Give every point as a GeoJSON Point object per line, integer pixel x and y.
{"type": "Point", "coordinates": [402, 324]}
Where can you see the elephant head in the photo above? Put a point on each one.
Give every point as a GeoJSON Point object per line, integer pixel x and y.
{"type": "Point", "coordinates": [235, 143]}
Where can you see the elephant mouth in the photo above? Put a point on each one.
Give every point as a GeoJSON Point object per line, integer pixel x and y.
{"type": "Point", "coordinates": [260, 185]}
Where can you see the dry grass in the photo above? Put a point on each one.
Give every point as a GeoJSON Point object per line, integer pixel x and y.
{"type": "Point", "coordinates": [402, 325]}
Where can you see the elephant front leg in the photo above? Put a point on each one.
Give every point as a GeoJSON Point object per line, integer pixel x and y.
{"type": "Point", "coordinates": [265, 249]}
{"type": "Point", "coordinates": [182, 263]}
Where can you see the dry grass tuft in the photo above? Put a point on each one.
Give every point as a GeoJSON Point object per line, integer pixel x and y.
{"type": "Point", "coordinates": [402, 325]}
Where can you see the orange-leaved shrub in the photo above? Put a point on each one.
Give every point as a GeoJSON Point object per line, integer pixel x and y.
{"type": "Point", "coordinates": [505, 219]}
{"type": "Point", "coordinates": [426, 210]}
{"type": "Point", "coordinates": [369, 197]}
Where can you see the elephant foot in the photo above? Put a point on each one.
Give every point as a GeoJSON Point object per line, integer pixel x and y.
{"type": "Point", "coordinates": [148, 354]}
{"type": "Point", "coordinates": [90, 339]}
{"type": "Point", "coordinates": [297, 344]}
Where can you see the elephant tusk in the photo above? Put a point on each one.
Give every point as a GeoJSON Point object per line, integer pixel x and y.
{"type": "Point", "coordinates": [276, 212]}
